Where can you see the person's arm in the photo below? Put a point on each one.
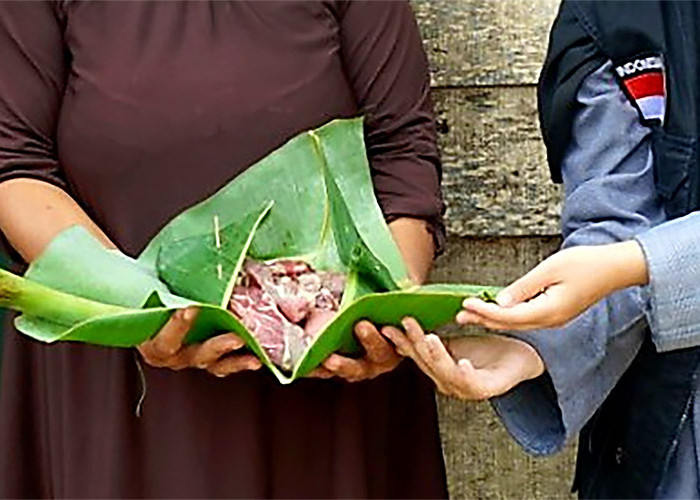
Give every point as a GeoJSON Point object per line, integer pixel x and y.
{"type": "Point", "coordinates": [387, 69]}
{"type": "Point", "coordinates": [33, 212]}
{"type": "Point", "coordinates": [610, 197]}
{"type": "Point", "coordinates": [666, 258]}
{"type": "Point", "coordinates": [35, 204]}
{"type": "Point", "coordinates": [416, 244]}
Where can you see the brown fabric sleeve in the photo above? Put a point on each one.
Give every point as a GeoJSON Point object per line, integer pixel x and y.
{"type": "Point", "coordinates": [387, 68]}
{"type": "Point", "coordinates": [32, 82]}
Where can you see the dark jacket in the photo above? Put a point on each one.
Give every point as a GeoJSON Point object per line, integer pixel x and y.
{"type": "Point", "coordinates": [625, 449]}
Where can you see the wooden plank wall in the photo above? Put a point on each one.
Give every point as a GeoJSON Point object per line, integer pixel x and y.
{"type": "Point", "coordinates": [502, 210]}
{"type": "Point", "coordinates": [485, 58]}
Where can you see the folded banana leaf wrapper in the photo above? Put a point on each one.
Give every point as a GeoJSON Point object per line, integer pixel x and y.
{"type": "Point", "coordinates": [310, 202]}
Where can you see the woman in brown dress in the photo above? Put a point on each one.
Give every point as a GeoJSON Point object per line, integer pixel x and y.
{"type": "Point", "coordinates": [117, 116]}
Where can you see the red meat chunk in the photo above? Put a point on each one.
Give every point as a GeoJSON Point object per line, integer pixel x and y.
{"type": "Point", "coordinates": [285, 304]}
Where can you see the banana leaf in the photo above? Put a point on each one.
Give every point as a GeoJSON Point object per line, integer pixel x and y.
{"type": "Point", "coordinates": [312, 199]}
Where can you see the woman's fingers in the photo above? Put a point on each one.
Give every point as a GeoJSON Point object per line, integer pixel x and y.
{"type": "Point", "coordinates": [234, 364]}
{"type": "Point", "coordinates": [166, 349]}
{"type": "Point", "coordinates": [210, 351]}
{"type": "Point", "coordinates": [380, 357]}
{"type": "Point", "coordinates": [320, 372]}
{"type": "Point", "coordinates": [352, 370]}
{"type": "Point", "coordinates": [162, 350]}
{"type": "Point", "coordinates": [379, 351]}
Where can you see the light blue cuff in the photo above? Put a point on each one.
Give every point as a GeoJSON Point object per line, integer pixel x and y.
{"type": "Point", "coordinates": [584, 361]}
{"type": "Point", "coordinates": [672, 252]}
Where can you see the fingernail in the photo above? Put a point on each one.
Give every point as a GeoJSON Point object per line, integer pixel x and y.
{"type": "Point", "coordinates": [389, 331]}
{"type": "Point", "coordinates": [405, 322]}
{"type": "Point", "coordinates": [235, 344]}
{"type": "Point", "coordinates": [188, 314]}
{"type": "Point", "coordinates": [332, 364]}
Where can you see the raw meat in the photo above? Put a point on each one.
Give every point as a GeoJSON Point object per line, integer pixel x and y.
{"type": "Point", "coordinates": [285, 304]}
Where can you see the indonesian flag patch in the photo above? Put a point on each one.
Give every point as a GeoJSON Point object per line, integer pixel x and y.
{"type": "Point", "coordinates": [643, 80]}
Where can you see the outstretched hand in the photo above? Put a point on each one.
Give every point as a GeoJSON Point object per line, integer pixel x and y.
{"type": "Point", "coordinates": [560, 288]}
{"type": "Point", "coordinates": [470, 368]}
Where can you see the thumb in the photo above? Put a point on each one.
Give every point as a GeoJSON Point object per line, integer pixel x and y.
{"type": "Point", "coordinates": [526, 287]}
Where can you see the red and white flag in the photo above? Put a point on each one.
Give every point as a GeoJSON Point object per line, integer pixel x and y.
{"type": "Point", "coordinates": [643, 80]}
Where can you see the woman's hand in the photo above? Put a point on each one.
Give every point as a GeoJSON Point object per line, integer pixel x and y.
{"type": "Point", "coordinates": [166, 349]}
{"type": "Point", "coordinates": [470, 368]}
{"type": "Point", "coordinates": [380, 357]}
{"type": "Point", "coordinates": [415, 243]}
{"type": "Point", "coordinates": [560, 288]}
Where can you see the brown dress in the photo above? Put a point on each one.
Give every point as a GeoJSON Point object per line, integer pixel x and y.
{"type": "Point", "coordinates": [140, 110]}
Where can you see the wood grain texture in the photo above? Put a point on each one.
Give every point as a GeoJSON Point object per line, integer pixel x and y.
{"type": "Point", "coordinates": [495, 176]}
{"type": "Point", "coordinates": [485, 42]}
{"type": "Point", "coordinates": [482, 460]}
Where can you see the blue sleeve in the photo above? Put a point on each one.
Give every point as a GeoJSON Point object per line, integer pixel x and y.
{"type": "Point", "coordinates": [610, 196]}
{"type": "Point", "coordinates": [672, 252]}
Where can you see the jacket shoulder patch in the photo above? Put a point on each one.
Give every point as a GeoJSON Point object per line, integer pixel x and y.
{"type": "Point", "coordinates": [644, 81]}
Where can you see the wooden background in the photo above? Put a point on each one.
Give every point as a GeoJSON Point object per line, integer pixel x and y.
{"type": "Point", "coordinates": [502, 209]}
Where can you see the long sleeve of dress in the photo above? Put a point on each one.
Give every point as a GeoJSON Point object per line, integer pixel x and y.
{"type": "Point", "coordinates": [32, 82]}
{"type": "Point", "coordinates": [610, 196]}
{"type": "Point", "coordinates": [388, 71]}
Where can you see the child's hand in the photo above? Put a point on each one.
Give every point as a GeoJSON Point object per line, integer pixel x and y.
{"type": "Point", "coordinates": [560, 288]}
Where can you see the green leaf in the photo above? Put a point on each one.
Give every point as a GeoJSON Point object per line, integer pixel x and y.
{"type": "Point", "coordinates": [204, 267]}
{"type": "Point", "coordinates": [432, 305]}
{"type": "Point", "coordinates": [311, 199]}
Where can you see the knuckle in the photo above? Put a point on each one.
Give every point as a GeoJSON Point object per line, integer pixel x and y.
{"type": "Point", "coordinates": [162, 348]}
